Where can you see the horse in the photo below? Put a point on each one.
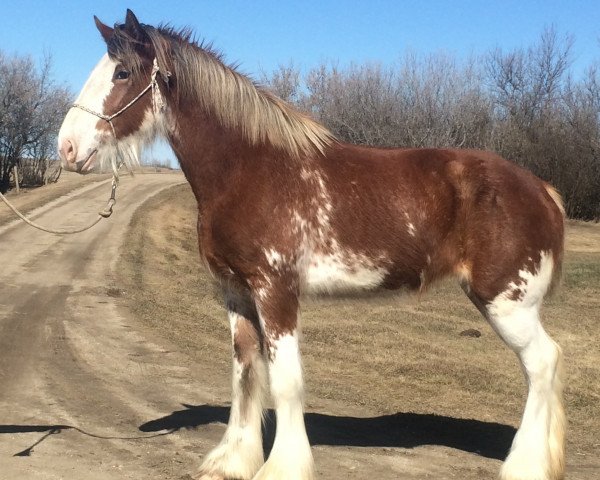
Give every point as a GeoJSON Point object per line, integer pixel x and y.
{"type": "Point", "coordinates": [285, 209]}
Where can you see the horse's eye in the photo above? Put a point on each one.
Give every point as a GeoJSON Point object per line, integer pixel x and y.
{"type": "Point", "coordinates": [121, 75]}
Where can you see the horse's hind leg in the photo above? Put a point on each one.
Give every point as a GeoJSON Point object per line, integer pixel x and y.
{"type": "Point", "coordinates": [240, 455]}
{"type": "Point", "coordinates": [537, 452]}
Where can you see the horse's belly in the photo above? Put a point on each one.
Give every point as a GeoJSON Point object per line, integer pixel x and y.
{"type": "Point", "coordinates": [336, 273]}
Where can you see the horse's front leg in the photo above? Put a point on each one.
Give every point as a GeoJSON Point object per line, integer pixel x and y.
{"type": "Point", "coordinates": [291, 457]}
{"type": "Point", "coordinates": [240, 454]}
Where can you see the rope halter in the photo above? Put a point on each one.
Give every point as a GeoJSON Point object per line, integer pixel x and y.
{"type": "Point", "coordinates": [158, 103]}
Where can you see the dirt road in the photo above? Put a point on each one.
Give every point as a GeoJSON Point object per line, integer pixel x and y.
{"type": "Point", "coordinates": [76, 380]}
{"type": "Point", "coordinates": [86, 392]}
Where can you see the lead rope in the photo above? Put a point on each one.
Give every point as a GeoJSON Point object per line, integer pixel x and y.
{"type": "Point", "coordinates": [157, 105]}
{"type": "Point", "coordinates": [107, 212]}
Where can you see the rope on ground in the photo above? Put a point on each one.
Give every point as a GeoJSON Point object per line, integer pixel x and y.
{"type": "Point", "coordinates": [107, 212]}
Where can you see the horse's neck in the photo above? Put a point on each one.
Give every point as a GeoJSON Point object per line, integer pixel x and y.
{"type": "Point", "coordinates": [212, 157]}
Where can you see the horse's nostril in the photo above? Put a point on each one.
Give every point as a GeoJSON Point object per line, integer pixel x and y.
{"type": "Point", "coordinates": [67, 151]}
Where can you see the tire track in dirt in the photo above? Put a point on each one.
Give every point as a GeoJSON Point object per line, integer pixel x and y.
{"type": "Point", "coordinates": [76, 380]}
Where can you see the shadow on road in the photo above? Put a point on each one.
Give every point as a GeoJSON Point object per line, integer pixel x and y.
{"type": "Point", "coordinates": [49, 430]}
{"type": "Point", "coordinates": [405, 430]}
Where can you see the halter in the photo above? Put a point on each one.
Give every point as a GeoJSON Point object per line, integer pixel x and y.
{"type": "Point", "coordinates": [158, 103]}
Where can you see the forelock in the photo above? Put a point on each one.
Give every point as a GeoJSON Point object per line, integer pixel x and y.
{"type": "Point", "coordinates": [123, 48]}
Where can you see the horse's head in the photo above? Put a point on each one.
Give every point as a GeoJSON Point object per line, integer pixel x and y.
{"type": "Point", "coordinates": [120, 106]}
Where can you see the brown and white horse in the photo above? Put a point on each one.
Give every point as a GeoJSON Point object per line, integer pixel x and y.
{"type": "Point", "coordinates": [285, 209]}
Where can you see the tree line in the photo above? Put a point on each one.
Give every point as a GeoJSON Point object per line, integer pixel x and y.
{"type": "Point", "coordinates": [32, 107]}
{"type": "Point", "coordinates": [525, 104]}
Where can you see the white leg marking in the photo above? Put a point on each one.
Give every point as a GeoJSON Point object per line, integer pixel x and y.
{"type": "Point", "coordinates": [291, 457]}
{"type": "Point", "coordinates": [240, 453]}
{"type": "Point", "coordinates": [537, 452]}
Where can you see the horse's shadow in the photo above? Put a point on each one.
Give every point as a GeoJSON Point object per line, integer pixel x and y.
{"type": "Point", "coordinates": [405, 430]}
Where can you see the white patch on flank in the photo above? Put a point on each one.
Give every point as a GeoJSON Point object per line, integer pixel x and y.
{"type": "Point", "coordinates": [339, 271]}
{"type": "Point", "coordinates": [324, 265]}
{"type": "Point", "coordinates": [330, 269]}
{"type": "Point", "coordinates": [299, 225]}
{"type": "Point", "coordinates": [325, 206]}
{"type": "Point", "coordinates": [291, 457]}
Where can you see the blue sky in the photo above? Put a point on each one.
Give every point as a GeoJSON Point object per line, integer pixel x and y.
{"type": "Point", "coordinates": [261, 34]}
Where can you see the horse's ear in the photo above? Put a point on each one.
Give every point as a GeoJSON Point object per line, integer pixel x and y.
{"type": "Point", "coordinates": [132, 25]}
{"type": "Point", "coordinates": [104, 30]}
{"type": "Point", "coordinates": [136, 32]}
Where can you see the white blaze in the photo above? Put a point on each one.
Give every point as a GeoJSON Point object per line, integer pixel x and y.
{"type": "Point", "coordinates": [79, 127]}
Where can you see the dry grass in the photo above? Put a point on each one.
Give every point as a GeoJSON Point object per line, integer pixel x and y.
{"type": "Point", "coordinates": [383, 355]}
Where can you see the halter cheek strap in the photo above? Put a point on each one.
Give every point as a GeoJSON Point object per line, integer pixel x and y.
{"type": "Point", "coordinates": [158, 103]}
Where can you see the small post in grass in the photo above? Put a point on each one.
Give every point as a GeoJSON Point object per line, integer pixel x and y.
{"type": "Point", "coordinates": [16, 175]}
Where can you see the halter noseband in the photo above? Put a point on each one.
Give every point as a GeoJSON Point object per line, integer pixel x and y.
{"type": "Point", "coordinates": [157, 100]}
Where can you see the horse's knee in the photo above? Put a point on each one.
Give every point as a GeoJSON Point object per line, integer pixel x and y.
{"type": "Point", "coordinates": [249, 368]}
{"type": "Point", "coordinates": [247, 342]}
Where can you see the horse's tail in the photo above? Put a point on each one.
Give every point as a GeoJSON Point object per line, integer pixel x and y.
{"type": "Point", "coordinates": [556, 197]}
{"type": "Point", "coordinates": [558, 255]}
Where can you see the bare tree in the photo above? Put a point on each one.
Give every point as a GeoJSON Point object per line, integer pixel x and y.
{"type": "Point", "coordinates": [524, 81]}
{"type": "Point", "coordinates": [31, 109]}
{"type": "Point", "coordinates": [284, 82]}
{"type": "Point", "coordinates": [523, 104]}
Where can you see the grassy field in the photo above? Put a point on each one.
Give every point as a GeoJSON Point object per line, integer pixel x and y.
{"type": "Point", "coordinates": [379, 355]}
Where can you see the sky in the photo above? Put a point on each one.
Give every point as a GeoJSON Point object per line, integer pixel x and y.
{"type": "Point", "coordinates": [262, 34]}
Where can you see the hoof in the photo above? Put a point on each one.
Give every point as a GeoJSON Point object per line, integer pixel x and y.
{"type": "Point", "coordinates": [205, 474]}
{"type": "Point", "coordinates": [212, 476]}
{"type": "Point", "coordinates": [208, 476]}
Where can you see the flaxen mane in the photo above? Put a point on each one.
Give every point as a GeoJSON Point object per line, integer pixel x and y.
{"type": "Point", "coordinates": [235, 100]}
